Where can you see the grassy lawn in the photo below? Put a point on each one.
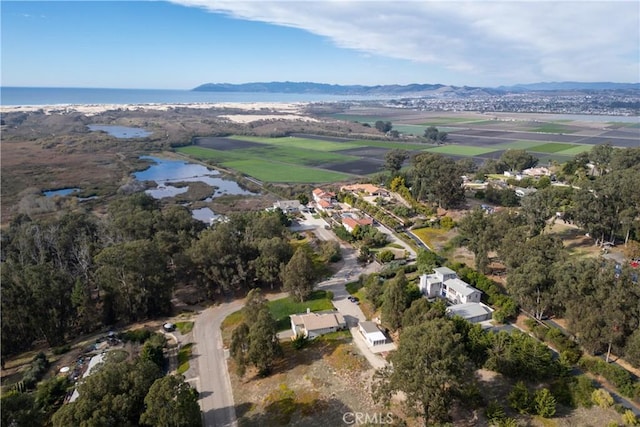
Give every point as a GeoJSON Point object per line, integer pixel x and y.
{"type": "Point", "coordinates": [552, 147]}
{"type": "Point", "coordinates": [184, 354]}
{"type": "Point", "coordinates": [184, 327]}
{"type": "Point", "coordinates": [269, 171]}
{"type": "Point", "coordinates": [303, 143]}
{"type": "Point", "coordinates": [462, 150]}
{"type": "Point", "coordinates": [281, 309]}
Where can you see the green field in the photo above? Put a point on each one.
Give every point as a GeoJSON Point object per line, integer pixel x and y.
{"type": "Point", "coordinates": [277, 153]}
{"type": "Point", "coordinates": [269, 171]}
{"type": "Point", "coordinates": [552, 147]}
{"type": "Point", "coordinates": [552, 128]}
{"type": "Point", "coordinates": [461, 150]}
{"type": "Point", "coordinates": [521, 144]}
{"type": "Point", "coordinates": [302, 143]}
{"type": "Point", "coordinates": [298, 156]}
{"type": "Point", "coordinates": [440, 121]}
{"type": "Point", "coordinates": [202, 153]}
{"type": "Point", "coordinates": [576, 149]}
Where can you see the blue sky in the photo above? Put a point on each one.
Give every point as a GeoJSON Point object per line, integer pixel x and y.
{"type": "Point", "coordinates": [184, 43]}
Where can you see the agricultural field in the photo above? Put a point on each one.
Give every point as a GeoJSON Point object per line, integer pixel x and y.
{"type": "Point", "coordinates": [302, 158]}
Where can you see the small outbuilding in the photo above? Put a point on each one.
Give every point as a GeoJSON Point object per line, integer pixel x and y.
{"type": "Point", "coordinates": [371, 333]}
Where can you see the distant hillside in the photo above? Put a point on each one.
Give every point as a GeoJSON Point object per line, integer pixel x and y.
{"type": "Point", "coordinates": [407, 90]}
{"type": "Point", "coordinates": [328, 89]}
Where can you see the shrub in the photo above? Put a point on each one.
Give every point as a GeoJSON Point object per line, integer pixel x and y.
{"type": "Point", "coordinates": [385, 256]}
{"type": "Point", "coordinates": [37, 369]}
{"type": "Point", "coordinates": [602, 398]}
{"type": "Point", "coordinates": [630, 419]}
{"type": "Point", "coordinates": [519, 398]}
{"type": "Point", "coordinates": [61, 350]}
{"type": "Point", "coordinates": [136, 335]}
{"type": "Point", "coordinates": [545, 403]}
{"type": "Point", "coordinates": [299, 341]}
{"type": "Point", "coordinates": [581, 391]}
{"type": "Point", "coordinates": [495, 412]}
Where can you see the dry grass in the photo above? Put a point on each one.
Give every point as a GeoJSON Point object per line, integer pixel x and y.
{"type": "Point", "coordinates": [313, 386]}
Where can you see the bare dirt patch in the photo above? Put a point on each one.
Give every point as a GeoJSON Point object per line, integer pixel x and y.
{"type": "Point", "coordinates": [357, 167]}
{"type": "Point", "coordinates": [314, 386]}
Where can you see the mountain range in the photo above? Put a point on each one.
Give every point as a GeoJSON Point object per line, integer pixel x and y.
{"type": "Point", "coordinates": [409, 90]}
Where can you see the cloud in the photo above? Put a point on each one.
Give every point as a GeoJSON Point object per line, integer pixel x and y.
{"type": "Point", "coordinates": [516, 41]}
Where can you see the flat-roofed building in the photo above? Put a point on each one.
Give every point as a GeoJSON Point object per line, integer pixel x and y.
{"type": "Point", "coordinates": [371, 333]}
{"type": "Point", "coordinates": [312, 325]}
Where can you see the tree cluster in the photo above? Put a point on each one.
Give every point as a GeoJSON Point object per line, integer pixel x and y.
{"type": "Point", "coordinates": [599, 298]}
{"type": "Point", "coordinates": [74, 273]}
{"type": "Point", "coordinates": [433, 134]}
{"type": "Point", "coordinates": [255, 340]}
{"type": "Point", "coordinates": [437, 179]}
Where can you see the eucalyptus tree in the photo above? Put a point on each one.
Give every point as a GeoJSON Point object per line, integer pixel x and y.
{"type": "Point", "coordinates": [436, 178]}
{"type": "Point", "coordinates": [298, 275]}
{"type": "Point", "coordinates": [601, 302]}
{"type": "Point", "coordinates": [429, 368]}
{"type": "Point", "coordinates": [517, 160]}
{"type": "Point", "coordinates": [394, 159]}
{"type": "Point", "coordinates": [478, 230]}
{"type": "Point", "coordinates": [134, 280]}
{"type": "Point", "coordinates": [395, 301]}
{"type": "Point", "coordinates": [530, 272]}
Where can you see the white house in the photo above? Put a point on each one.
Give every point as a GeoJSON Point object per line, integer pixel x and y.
{"type": "Point", "coordinates": [444, 283]}
{"type": "Point", "coordinates": [473, 312]}
{"type": "Point", "coordinates": [431, 284]}
{"type": "Point", "coordinates": [460, 292]}
{"type": "Point", "coordinates": [521, 192]}
{"type": "Point", "coordinates": [312, 325]}
{"type": "Point", "coordinates": [371, 333]}
{"type": "Point", "coordinates": [288, 206]}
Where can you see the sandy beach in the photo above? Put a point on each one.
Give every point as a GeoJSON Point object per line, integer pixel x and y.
{"type": "Point", "coordinates": [255, 110]}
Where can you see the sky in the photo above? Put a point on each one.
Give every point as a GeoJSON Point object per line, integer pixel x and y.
{"type": "Point", "coordinates": [185, 43]}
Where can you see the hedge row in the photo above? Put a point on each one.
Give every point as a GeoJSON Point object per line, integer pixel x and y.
{"type": "Point", "coordinates": [626, 384]}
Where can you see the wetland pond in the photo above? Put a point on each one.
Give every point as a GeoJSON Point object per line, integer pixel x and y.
{"type": "Point", "coordinates": [120, 131]}
{"type": "Point", "coordinates": [165, 172]}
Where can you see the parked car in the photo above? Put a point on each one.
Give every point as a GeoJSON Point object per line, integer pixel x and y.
{"type": "Point", "coordinates": [169, 327]}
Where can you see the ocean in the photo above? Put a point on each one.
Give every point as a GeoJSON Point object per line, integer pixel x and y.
{"type": "Point", "coordinates": [21, 96]}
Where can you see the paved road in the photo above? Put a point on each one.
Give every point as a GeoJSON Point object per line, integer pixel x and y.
{"type": "Point", "coordinates": [212, 380]}
{"type": "Point", "coordinates": [213, 383]}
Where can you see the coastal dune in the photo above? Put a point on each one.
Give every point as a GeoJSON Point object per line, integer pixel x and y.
{"type": "Point", "coordinates": [255, 110]}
